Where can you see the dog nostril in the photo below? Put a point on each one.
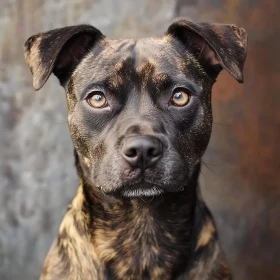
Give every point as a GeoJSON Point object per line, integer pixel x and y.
{"type": "Point", "coordinates": [142, 151]}
{"type": "Point", "coordinates": [131, 152]}
{"type": "Point", "coordinates": [153, 152]}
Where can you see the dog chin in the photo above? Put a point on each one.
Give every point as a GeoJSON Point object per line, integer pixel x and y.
{"type": "Point", "coordinates": [142, 189]}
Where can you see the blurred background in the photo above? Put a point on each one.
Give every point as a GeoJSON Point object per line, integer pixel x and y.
{"type": "Point", "coordinates": [240, 178]}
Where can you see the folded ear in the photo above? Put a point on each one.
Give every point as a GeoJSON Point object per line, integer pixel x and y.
{"type": "Point", "coordinates": [216, 46]}
{"type": "Point", "coordinates": [59, 51]}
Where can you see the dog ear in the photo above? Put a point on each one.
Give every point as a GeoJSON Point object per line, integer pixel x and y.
{"type": "Point", "coordinates": [59, 51]}
{"type": "Point", "coordinates": [216, 46]}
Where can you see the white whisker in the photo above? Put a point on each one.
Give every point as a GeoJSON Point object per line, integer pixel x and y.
{"type": "Point", "coordinates": [146, 192]}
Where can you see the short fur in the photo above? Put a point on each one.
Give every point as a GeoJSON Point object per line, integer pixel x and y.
{"type": "Point", "coordinates": [129, 222]}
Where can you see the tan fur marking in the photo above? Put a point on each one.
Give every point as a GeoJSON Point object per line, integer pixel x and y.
{"type": "Point", "coordinates": [119, 66]}
{"type": "Point", "coordinates": [170, 237]}
{"type": "Point", "coordinates": [145, 70]}
{"type": "Point", "coordinates": [115, 81]}
{"type": "Point", "coordinates": [205, 234]}
{"type": "Point", "coordinates": [33, 59]}
{"type": "Point", "coordinates": [78, 249]}
{"type": "Point", "coordinates": [240, 34]}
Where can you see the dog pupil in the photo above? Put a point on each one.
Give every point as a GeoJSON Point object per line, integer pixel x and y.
{"type": "Point", "coordinates": [97, 97]}
{"type": "Point", "coordinates": [178, 95]}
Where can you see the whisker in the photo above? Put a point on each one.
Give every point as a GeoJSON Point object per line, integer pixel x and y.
{"type": "Point", "coordinates": [222, 124]}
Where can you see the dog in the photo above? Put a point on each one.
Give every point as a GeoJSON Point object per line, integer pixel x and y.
{"type": "Point", "coordinates": [140, 117]}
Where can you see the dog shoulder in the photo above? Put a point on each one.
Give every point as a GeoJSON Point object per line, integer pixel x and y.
{"type": "Point", "coordinates": [72, 255]}
{"type": "Point", "coordinates": [56, 265]}
{"type": "Point", "coordinates": [208, 260]}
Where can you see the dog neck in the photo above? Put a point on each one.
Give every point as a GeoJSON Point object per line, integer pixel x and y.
{"type": "Point", "coordinates": [153, 236]}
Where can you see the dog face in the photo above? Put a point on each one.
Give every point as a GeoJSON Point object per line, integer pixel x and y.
{"type": "Point", "coordinates": [142, 119]}
{"type": "Point", "coordinates": [139, 111]}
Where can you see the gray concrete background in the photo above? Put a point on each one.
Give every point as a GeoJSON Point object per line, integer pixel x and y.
{"type": "Point", "coordinates": [37, 175]}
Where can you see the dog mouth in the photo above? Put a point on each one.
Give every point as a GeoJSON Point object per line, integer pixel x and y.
{"type": "Point", "coordinates": [137, 188]}
{"type": "Point", "coordinates": [145, 189]}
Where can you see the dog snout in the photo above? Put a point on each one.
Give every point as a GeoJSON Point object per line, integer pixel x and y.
{"type": "Point", "coordinates": [142, 151]}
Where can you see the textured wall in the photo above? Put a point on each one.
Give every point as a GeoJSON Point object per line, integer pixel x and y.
{"type": "Point", "coordinates": [37, 177]}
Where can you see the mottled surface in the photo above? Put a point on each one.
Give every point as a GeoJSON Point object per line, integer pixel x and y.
{"type": "Point", "coordinates": [37, 176]}
{"type": "Point", "coordinates": [242, 186]}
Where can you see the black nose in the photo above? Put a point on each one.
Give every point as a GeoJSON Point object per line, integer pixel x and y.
{"type": "Point", "coordinates": [142, 151]}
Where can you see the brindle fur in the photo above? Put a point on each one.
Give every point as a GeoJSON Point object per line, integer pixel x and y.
{"type": "Point", "coordinates": [117, 226]}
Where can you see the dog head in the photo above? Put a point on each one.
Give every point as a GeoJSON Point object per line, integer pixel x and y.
{"type": "Point", "coordinates": [139, 111]}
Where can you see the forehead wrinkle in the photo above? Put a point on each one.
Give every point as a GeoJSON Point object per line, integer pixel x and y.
{"type": "Point", "coordinates": [150, 54]}
{"type": "Point", "coordinates": [137, 60]}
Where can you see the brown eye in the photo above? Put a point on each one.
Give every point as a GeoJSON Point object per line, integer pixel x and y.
{"type": "Point", "coordinates": [180, 98]}
{"type": "Point", "coordinates": [97, 100]}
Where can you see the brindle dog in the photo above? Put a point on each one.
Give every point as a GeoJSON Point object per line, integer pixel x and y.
{"type": "Point", "coordinates": [140, 118]}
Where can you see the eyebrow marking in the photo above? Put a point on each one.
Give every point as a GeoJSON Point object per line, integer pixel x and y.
{"type": "Point", "coordinates": [163, 81]}
{"type": "Point", "coordinates": [144, 72]}
{"type": "Point", "coordinates": [119, 66]}
{"type": "Point", "coordinates": [160, 79]}
{"type": "Point", "coordinates": [114, 82]}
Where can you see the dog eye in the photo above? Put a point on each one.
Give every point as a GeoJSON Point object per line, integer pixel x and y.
{"type": "Point", "coordinates": [180, 98]}
{"type": "Point", "coordinates": [97, 100]}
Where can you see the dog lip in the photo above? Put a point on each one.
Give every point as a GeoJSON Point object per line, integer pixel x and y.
{"type": "Point", "coordinates": [142, 184]}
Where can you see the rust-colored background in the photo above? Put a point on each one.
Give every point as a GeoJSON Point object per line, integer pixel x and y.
{"type": "Point", "coordinates": [240, 177]}
{"type": "Point", "coordinates": [242, 186]}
